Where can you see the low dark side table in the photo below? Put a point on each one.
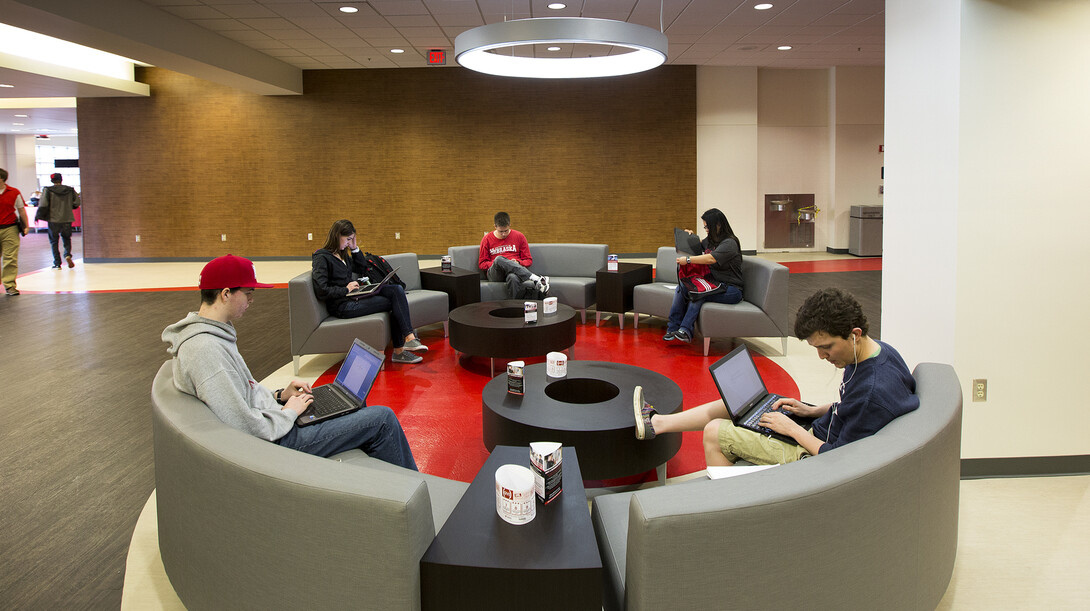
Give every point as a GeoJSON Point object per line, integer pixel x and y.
{"type": "Point", "coordinates": [478, 561]}
{"type": "Point", "coordinates": [462, 286]}
{"type": "Point", "coordinates": [614, 289]}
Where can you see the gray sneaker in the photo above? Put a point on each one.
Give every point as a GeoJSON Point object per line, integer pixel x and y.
{"type": "Point", "coordinates": [643, 412]}
{"type": "Point", "coordinates": [415, 345]}
{"type": "Point", "coordinates": [405, 357]}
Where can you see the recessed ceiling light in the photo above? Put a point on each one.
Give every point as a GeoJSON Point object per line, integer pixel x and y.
{"type": "Point", "coordinates": [556, 6]}
{"type": "Point", "coordinates": [552, 49]}
{"type": "Point", "coordinates": [784, 47]}
{"type": "Point", "coordinates": [23, 116]}
{"type": "Point", "coordinates": [764, 6]}
{"type": "Point", "coordinates": [349, 9]}
{"type": "Point", "coordinates": [18, 124]}
{"type": "Point", "coordinates": [397, 50]}
{"type": "Point", "coordinates": [6, 85]}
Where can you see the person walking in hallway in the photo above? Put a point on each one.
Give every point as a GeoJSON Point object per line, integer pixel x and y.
{"type": "Point", "coordinates": [12, 212]}
{"type": "Point", "coordinates": [60, 200]}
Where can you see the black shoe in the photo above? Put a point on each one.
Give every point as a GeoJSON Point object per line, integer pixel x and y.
{"type": "Point", "coordinates": [56, 266]}
{"type": "Point", "coordinates": [670, 336]}
{"type": "Point", "coordinates": [683, 335]}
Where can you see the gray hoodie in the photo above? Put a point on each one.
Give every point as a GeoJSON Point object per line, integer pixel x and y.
{"type": "Point", "coordinates": [208, 366]}
{"type": "Point", "coordinates": [61, 200]}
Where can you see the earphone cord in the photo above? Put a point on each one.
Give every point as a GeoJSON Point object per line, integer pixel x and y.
{"type": "Point", "coordinates": [829, 431]}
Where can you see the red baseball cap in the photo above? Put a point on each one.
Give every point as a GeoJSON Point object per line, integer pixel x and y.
{"type": "Point", "coordinates": [228, 272]}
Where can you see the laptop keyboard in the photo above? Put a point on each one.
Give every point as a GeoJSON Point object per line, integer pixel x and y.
{"type": "Point", "coordinates": [763, 408]}
{"type": "Point", "coordinates": [328, 401]}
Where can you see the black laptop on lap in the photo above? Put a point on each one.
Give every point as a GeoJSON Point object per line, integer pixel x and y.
{"type": "Point", "coordinates": [348, 392]}
{"type": "Point", "coordinates": [745, 395]}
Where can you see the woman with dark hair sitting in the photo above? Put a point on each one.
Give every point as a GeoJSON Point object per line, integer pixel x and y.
{"type": "Point", "coordinates": [723, 256]}
{"type": "Point", "coordinates": [335, 268]}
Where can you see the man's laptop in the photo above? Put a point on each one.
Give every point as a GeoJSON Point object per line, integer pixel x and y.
{"type": "Point", "coordinates": [745, 394]}
{"type": "Point", "coordinates": [686, 243]}
{"type": "Point", "coordinates": [370, 289]}
{"type": "Point", "coordinates": [348, 392]}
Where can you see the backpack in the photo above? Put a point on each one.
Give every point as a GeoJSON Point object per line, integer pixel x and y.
{"type": "Point", "coordinates": [378, 267]}
{"type": "Point", "coordinates": [698, 281]}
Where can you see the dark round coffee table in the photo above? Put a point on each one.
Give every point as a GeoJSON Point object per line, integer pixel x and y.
{"type": "Point", "coordinates": [591, 409]}
{"type": "Point", "coordinates": [497, 330]}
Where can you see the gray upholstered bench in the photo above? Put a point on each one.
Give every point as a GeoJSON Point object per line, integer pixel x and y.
{"type": "Point", "coordinates": [247, 524]}
{"type": "Point", "coordinates": [761, 313]}
{"type": "Point", "coordinates": [315, 331]}
{"type": "Point", "coordinates": [571, 269]}
{"type": "Point", "coordinates": [880, 515]}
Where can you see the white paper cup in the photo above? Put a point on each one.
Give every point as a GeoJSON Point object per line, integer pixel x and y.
{"type": "Point", "coordinates": [557, 364]}
{"type": "Point", "coordinates": [549, 305]}
{"type": "Point", "coordinates": [516, 501]}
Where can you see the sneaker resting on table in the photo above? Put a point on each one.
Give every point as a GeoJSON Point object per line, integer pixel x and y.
{"type": "Point", "coordinates": [643, 412]}
{"type": "Point", "coordinates": [415, 345]}
{"type": "Point", "coordinates": [405, 357]}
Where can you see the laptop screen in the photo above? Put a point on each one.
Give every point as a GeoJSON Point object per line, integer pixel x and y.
{"type": "Point", "coordinates": [359, 370]}
{"type": "Point", "coordinates": [738, 382]}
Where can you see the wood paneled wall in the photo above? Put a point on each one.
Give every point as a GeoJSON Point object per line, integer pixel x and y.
{"type": "Point", "coordinates": [431, 153]}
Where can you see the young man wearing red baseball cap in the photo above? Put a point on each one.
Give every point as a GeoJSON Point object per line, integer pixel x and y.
{"type": "Point", "coordinates": [207, 365]}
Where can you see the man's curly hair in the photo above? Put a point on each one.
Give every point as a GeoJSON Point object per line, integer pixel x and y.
{"type": "Point", "coordinates": [831, 311]}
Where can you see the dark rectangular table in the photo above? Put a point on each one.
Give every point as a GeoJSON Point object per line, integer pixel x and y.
{"type": "Point", "coordinates": [614, 289]}
{"type": "Point", "coordinates": [478, 561]}
{"type": "Point", "coordinates": [462, 286]}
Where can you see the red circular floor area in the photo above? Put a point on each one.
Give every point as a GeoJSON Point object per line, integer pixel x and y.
{"type": "Point", "coordinates": [439, 401]}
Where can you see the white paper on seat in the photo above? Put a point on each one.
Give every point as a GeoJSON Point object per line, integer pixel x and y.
{"type": "Point", "coordinates": [721, 472]}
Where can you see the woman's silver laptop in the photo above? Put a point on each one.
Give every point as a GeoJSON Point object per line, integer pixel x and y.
{"type": "Point", "coordinates": [348, 392]}
{"type": "Point", "coordinates": [367, 290]}
{"type": "Point", "coordinates": [745, 394]}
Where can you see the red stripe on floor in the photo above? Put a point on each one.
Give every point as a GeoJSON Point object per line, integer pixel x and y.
{"type": "Point", "coordinates": [836, 265]}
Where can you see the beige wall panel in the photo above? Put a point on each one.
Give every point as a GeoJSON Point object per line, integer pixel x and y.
{"type": "Point", "coordinates": [429, 153]}
{"type": "Point", "coordinates": [792, 97]}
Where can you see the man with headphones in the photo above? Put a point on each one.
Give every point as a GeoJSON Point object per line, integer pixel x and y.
{"type": "Point", "coordinates": [877, 388]}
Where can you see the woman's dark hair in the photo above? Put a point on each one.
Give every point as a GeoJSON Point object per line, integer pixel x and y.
{"type": "Point", "coordinates": [340, 229]}
{"type": "Point", "coordinates": [831, 311]}
{"type": "Point", "coordinates": [718, 227]}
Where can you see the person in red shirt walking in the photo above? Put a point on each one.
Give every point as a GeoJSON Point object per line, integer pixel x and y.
{"type": "Point", "coordinates": [12, 211]}
{"type": "Point", "coordinates": [505, 257]}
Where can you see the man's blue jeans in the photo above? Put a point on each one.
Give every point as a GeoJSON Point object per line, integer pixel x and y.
{"type": "Point", "coordinates": [373, 429]}
{"type": "Point", "coordinates": [683, 312]}
{"type": "Point", "coordinates": [390, 298]}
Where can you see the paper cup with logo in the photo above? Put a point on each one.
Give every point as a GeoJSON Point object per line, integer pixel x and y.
{"type": "Point", "coordinates": [548, 305]}
{"type": "Point", "coordinates": [516, 500]}
{"type": "Point", "coordinates": [556, 364]}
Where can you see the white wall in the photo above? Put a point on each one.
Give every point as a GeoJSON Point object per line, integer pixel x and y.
{"type": "Point", "coordinates": [858, 119]}
{"type": "Point", "coordinates": [985, 133]}
{"type": "Point", "coordinates": [17, 157]}
{"type": "Point", "coordinates": [768, 131]}
{"type": "Point", "coordinates": [726, 148]}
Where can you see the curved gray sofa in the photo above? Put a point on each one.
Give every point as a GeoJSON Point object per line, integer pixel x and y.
{"type": "Point", "coordinates": [761, 313]}
{"type": "Point", "coordinates": [315, 331]}
{"type": "Point", "coordinates": [870, 525]}
{"type": "Point", "coordinates": [572, 270]}
{"type": "Point", "coordinates": [247, 524]}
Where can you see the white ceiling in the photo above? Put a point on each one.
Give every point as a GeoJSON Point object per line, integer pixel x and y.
{"type": "Point", "coordinates": [315, 34]}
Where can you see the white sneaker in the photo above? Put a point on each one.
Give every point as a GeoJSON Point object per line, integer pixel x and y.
{"type": "Point", "coordinates": [543, 284]}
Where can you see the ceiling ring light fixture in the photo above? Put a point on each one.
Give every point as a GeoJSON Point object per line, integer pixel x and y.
{"type": "Point", "coordinates": [482, 48]}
